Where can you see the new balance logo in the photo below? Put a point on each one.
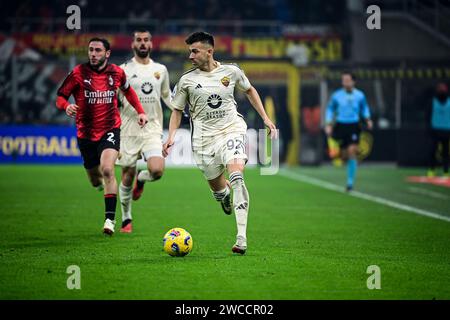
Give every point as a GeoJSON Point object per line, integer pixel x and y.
{"type": "Point", "coordinates": [198, 86]}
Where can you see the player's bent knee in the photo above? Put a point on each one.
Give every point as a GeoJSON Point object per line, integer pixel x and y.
{"type": "Point", "coordinates": [155, 166]}
{"type": "Point", "coordinates": [157, 174]}
{"type": "Point", "coordinates": [108, 172]}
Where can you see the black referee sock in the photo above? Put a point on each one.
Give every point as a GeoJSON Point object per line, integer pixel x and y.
{"type": "Point", "coordinates": [110, 206]}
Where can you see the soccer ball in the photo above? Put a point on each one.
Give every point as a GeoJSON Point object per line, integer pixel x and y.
{"type": "Point", "coordinates": [177, 242]}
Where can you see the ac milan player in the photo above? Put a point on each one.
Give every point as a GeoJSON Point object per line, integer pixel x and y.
{"type": "Point", "coordinates": [94, 87]}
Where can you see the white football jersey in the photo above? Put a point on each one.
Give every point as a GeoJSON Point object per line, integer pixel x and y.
{"type": "Point", "coordinates": [151, 83]}
{"type": "Point", "coordinates": [210, 96]}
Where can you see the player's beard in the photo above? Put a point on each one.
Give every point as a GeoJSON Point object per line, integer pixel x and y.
{"type": "Point", "coordinates": [99, 63]}
{"type": "Point", "coordinates": [141, 54]}
{"type": "Point", "coordinates": [199, 63]}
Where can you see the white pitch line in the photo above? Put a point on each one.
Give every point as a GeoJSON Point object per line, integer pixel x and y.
{"type": "Point", "coordinates": [331, 186]}
{"type": "Point", "coordinates": [428, 193]}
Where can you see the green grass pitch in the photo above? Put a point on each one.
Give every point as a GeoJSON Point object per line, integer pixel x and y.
{"type": "Point", "coordinates": [305, 242]}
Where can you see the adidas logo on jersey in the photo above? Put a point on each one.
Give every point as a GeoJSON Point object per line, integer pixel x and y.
{"type": "Point", "coordinates": [198, 86]}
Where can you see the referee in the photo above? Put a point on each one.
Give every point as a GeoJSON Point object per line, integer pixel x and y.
{"type": "Point", "coordinates": [344, 111]}
{"type": "Point", "coordinates": [440, 128]}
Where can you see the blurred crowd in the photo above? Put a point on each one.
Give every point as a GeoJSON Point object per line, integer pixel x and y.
{"type": "Point", "coordinates": [285, 11]}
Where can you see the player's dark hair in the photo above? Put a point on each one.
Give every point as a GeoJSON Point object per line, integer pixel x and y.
{"type": "Point", "coordinates": [349, 73]}
{"type": "Point", "coordinates": [200, 36]}
{"type": "Point", "coordinates": [102, 40]}
{"type": "Point", "coordinates": [141, 30]}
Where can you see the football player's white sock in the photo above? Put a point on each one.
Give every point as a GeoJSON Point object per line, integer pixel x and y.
{"type": "Point", "coordinates": [145, 175]}
{"type": "Point", "coordinates": [240, 202]}
{"type": "Point", "coordinates": [219, 195]}
{"type": "Point", "coordinates": [125, 201]}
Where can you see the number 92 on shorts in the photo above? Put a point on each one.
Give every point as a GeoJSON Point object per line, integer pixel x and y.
{"type": "Point", "coordinates": [212, 157]}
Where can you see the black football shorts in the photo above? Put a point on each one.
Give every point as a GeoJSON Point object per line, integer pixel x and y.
{"type": "Point", "coordinates": [346, 134]}
{"type": "Point", "coordinates": [91, 151]}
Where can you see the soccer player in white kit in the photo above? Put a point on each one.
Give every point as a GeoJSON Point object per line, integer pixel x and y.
{"type": "Point", "coordinates": [151, 82]}
{"type": "Point", "coordinates": [218, 130]}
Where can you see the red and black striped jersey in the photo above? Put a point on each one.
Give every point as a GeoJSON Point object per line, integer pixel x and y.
{"type": "Point", "coordinates": [95, 93]}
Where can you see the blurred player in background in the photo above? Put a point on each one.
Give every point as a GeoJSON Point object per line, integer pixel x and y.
{"type": "Point", "coordinates": [440, 128]}
{"type": "Point", "coordinates": [218, 130]}
{"type": "Point", "coordinates": [94, 86]}
{"type": "Point", "coordinates": [344, 111]}
{"type": "Point", "coordinates": [151, 82]}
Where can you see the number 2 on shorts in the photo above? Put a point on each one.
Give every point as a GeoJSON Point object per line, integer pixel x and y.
{"type": "Point", "coordinates": [111, 137]}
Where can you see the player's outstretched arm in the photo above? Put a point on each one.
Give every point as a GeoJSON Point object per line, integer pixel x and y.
{"type": "Point", "coordinates": [255, 101]}
{"type": "Point", "coordinates": [174, 124]}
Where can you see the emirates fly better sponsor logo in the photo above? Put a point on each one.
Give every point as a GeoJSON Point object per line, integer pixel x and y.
{"type": "Point", "coordinates": [99, 97]}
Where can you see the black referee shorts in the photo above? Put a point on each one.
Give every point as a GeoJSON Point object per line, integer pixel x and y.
{"type": "Point", "coordinates": [346, 134]}
{"type": "Point", "coordinates": [91, 151]}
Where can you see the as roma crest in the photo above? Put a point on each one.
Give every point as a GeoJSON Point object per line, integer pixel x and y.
{"type": "Point", "coordinates": [225, 81]}
{"type": "Point", "coordinates": [157, 75]}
